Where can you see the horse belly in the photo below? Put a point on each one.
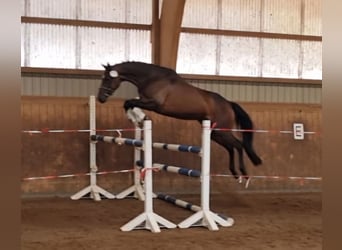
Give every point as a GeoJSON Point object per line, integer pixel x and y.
{"type": "Point", "coordinates": [187, 109]}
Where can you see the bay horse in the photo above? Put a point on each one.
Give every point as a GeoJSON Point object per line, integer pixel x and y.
{"type": "Point", "coordinates": [165, 92]}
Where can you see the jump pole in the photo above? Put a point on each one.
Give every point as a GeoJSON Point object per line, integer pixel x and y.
{"type": "Point", "coordinates": [148, 219]}
{"type": "Point", "coordinates": [136, 189]}
{"type": "Point", "coordinates": [205, 217]}
{"type": "Point", "coordinates": [172, 169]}
{"type": "Point", "coordinates": [93, 188]}
{"type": "Point", "coordinates": [183, 204]}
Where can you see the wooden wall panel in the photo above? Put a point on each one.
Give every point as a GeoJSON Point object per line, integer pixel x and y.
{"type": "Point", "coordinates": [68, 153]}
{"type": "Point", "coordinates": [241, 91]}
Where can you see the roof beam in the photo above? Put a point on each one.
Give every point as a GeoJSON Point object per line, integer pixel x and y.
{"type": "Point", "coordinates": [170, 28]}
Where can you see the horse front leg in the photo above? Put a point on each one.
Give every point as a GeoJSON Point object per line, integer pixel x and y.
{"type": "Point", "coordinates": [148, 105]}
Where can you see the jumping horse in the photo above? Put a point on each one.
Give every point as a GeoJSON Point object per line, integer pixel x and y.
{"type": "Point", "coordinates": [165, 92]}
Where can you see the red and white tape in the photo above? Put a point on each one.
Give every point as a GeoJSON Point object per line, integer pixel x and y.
{"type": "Point", "coordinates": [47, 130]}
{"type": "Point", "coordinates": [75, 175]}
{"type": "Point", "coordinates": [300, 178]}
{"type": "Point", "coordinates": [274, 177]}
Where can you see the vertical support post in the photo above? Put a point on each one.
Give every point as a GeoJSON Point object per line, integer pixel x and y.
{"type": "Point", "coordinates": [148, 166]}
{"type": "Point", "coordinates": [93, 189]}
{"type": "Point", "coordinates": [205, 166]}
{"type": "Point", "coordinates": [139, 192]}
{"type": "Point", "coordinates": [205, 217]}
{"type": "Point", "coordinates": [148, 219]}
{"type": "Point", "coordinates": [92, 145]}
{"type": "Point", "coordinates": [136, 189]}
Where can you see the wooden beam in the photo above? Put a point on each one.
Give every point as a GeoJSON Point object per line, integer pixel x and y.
{"type": "Point", "coordinates": [59, 72]}
{"type": "Point", "coordinates": [155, 32]}
{"type": "Point", "coordinates": [251, 34]}
{"type": "Point", "coordinates": [170, 28]}
{"type": "Point", "coordinates": [84, 23]}
{"type": "Point", "coordinates": [252, 79]}
{"type": "Point", "coordinates": [156, 23]}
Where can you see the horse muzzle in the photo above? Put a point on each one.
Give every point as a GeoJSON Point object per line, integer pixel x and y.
{"type": "Point", "coordinates": [102, 99]}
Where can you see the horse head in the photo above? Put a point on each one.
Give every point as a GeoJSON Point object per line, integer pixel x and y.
{"type": "Point", "coordinates": [110, 82]}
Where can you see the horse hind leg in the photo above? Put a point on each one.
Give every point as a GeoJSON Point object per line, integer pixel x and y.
{"type": "Point", "coordinates": [232, 162]}
{"type": "Point", "coordinates": [222, 140]}
{"type": "Point", "coordinates": [230, 142]}
{"type": "Point", "coordinates": [239, 148]}
{"type": "Point", "coordinates": [242, 167]}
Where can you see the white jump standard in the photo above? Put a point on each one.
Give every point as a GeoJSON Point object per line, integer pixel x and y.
{"type": "Point", "coordinates": [136, 190]}
{"type": "Point", "coordinates": [148, 219]}
{"type": "Point", "coordinates": [94, 190]}
{"type": "Point", "coordinates": [204, 216]}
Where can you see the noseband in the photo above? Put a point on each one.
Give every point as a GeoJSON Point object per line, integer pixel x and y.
{"type": "Point", "coordinates": [107, 91]}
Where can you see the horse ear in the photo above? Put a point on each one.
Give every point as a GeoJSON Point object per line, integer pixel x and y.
{"type": "Point", "coordinates": [106, 66]}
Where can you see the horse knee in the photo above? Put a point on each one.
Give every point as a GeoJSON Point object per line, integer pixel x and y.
{"type": "Point", "coordinates": [131, 103]}
{"type": "Point", "coordinates": [127, 105]}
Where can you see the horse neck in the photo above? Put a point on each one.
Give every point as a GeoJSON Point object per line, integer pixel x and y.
{"type": "Point", "coordinates": [131, 74]}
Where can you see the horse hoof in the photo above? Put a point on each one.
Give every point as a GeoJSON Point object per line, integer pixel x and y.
{"type": "Point", "coordinates": [247, 183]}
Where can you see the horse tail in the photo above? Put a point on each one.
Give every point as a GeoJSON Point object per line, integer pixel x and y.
{"type": "Point", "coordinates": [246, 123]}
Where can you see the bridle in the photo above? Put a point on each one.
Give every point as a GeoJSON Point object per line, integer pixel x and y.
{"type": "Point", "coordinates": [108, 91]}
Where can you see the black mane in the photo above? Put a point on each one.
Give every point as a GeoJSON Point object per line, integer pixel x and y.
{"type": "Point", "coordinates": [143, 68]}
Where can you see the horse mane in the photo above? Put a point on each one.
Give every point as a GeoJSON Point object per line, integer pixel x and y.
{"type": "Point", "coordinates": [146, 67]}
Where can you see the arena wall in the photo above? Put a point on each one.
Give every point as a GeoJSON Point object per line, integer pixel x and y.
{"type": "Point", "coordinates": [236, 90]}
{"type": "Point", "coordinates": [54, 154]}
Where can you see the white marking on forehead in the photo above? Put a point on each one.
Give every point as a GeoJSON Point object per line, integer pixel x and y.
{"type": "Point", "coordinates": [113, 73]}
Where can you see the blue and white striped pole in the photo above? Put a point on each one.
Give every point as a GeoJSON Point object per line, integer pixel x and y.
{"type": "Point", "coordinates": [117, 140]}
{"type": "Point", "coordinates": [177, 147]}
{"type": "Point", "coordinates": [173, 169]}
{"type": "Point", "coordinates": [178, 202]}
{"type": "Point", "coordinates": [183, 204]}
{"type": "Point", "coordinates": [178, 170]}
